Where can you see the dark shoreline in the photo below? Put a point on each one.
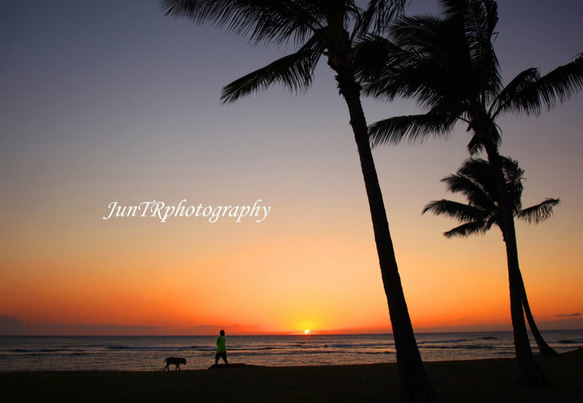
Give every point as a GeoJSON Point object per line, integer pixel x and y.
{"type": "Point", "coordinates": [489, 380]}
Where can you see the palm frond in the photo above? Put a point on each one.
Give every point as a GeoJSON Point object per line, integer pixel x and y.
{"type": "Point", "coordinates": [372, 56]}
{"type": "Point", "coordinates": [411, 128]}
{"type": "Point", "coordinates": [464, 230]}
{"type": "Point", "coordinates": [261, 20]}
{"type": "Point", "coordinates": [458, 211]}
{"type": "Point", "coordinates": [388, 69]}
{"type": "Point", "coordinates": [377, 15]}
{"type": "Point", "coordinates": [480, 138]}
{"type": "Point", "coordinates": [555, 87]}
{"type": "Point", "coordinates": [294, 71]}
{"type": "Point", "coordinates": [470, 26]}
{"type": "Point", "coordinates": [480, 172]}
{"type": "Point", "coordinates": [514, 176]}
{"type": "Point", "coordinates": [476, 145]}
{"type": "Point", "coordinates": [407, 71]}
{"type": "Point", "coordinates": [433, 65]}
{"type": "Point", "coordinates": [540, 212]}
{"type": "Point", "coordinates": [417, 33]}
{"type": "Point", "coordinates": [508, 98]}
{"type": "Point", "coordinates": [480, 21]}
{"type": "Point", "coordinates": [478, 194]}
{"type": "Point", "coordinates": [452, 8]}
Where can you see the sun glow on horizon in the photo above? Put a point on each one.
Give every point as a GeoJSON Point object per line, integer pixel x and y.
{"type": "Point", "coordinates": [307, 332]}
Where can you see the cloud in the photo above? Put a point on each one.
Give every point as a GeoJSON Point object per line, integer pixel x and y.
{"type": "Point", "coordinates": [10, 325]}
{"type": "Point", "coordinates": [111, 329]}
{"type": "Point", "coordinates": [568, 315]}
{"type": "Point", "coordinates": [6, 320]}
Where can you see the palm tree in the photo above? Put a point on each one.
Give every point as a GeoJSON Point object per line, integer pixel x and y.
{"type": "Point", "coordinates": [475, 181]}
{"type": "Point", "coordinates": [328, 28]}
{"type": "Point", "coordinates": [448, 64]}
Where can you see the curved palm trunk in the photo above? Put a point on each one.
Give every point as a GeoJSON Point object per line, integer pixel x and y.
{"type": "Point", "coordinates": [414, 383]}
{"type": "Point", "coordinates": [542, 345]}
{"type": "Point", "coordinates": [529, 371]}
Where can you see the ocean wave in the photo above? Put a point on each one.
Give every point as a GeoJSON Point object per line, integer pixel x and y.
{"type": "Point", "coordinates": [146, 352]}
{"type": "Point", "coordinates": [570, 341]}
{"type": "Point", "coordinates": [459, 347]}
{"type": "Point", "coordinates": [44, 350]}
{"type": "Point", "coordinates": [157, 348]}
{"type": "Point", "coordinates": [446, 341]}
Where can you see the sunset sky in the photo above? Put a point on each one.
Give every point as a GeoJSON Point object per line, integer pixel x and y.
{"type": "Point", "coordinates": [111, 101]}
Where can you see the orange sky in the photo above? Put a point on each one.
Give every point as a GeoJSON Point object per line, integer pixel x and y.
{"type": "Point", "coordinates": [124, 109]}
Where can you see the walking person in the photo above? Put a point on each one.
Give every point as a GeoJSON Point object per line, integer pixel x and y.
{"type": "Point", "coordinates": [221, 348]}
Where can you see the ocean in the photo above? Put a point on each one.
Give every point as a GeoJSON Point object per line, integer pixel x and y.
{"type": "Point", "coordinates": [146, 353]}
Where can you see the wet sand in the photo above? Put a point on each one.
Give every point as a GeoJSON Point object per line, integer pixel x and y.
{"type": "Point", "coordinates": [458, 381]}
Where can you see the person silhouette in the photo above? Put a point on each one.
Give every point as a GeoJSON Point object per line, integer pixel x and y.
{"type": "Point", "coordinates": [221, 348]}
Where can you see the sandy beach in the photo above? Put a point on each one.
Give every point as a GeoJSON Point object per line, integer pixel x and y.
{"type": "Point", "coordinates": [457, 381]}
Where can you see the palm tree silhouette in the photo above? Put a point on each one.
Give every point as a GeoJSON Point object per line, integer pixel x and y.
{"type": "Point", "coordinates": [475, 180]}
{"type": "Point", "coordinates": [448, 64]}
{"type": "Point", "coordinates": [328, 28]}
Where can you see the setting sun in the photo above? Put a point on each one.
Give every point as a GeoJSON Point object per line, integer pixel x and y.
{"type": "Point", "coordinates": [307, 331]}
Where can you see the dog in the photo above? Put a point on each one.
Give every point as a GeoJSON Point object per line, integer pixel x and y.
{"type": "Point", "coordinates": [174, 361]}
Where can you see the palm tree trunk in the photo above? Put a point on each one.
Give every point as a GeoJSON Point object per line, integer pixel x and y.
{"type": "Point", "coordinates": [542, 345]}
{"type": "Point", "coordinates": [414, 383]}
{"type": "Point", "coordinates": [529, 371]}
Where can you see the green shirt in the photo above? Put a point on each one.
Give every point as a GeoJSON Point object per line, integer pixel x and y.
{"type": "Point", "coordinates": [221, 347]}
